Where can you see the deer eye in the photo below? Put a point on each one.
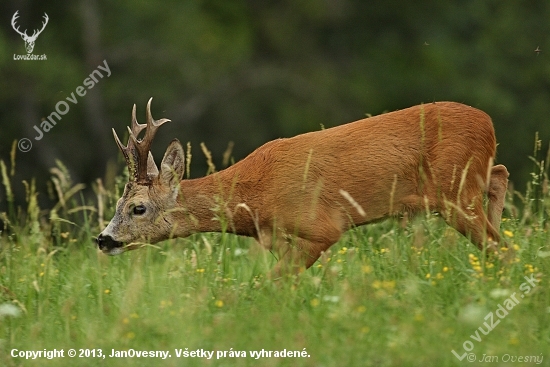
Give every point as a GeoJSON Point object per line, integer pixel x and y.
{"type": "Point", "coordinates": [139, 210]}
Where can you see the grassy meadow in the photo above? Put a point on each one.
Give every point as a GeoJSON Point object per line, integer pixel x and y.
{"type": "Point", "coordinates": [394, 293]}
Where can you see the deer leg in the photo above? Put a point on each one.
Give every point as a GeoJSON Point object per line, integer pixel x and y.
{"type": "Point", "coordinates": [474, 224]}
{"type": "Point", "coordinates": [296, 255]}
{"type": "Point", "coordinates": [498, 185]}
{"type": "Point", "coordinates": [477, 225]}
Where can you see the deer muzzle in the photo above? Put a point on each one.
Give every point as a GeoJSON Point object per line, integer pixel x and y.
{"type": "Point", "coordinates": [109, 246]}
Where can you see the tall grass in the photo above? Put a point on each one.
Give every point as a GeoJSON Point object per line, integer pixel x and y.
{"type": "Point", "coordinates": [388, 294]}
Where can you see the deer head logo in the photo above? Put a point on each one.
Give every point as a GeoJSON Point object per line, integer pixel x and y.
{"type": "Point", "coordinates": [29, 40]}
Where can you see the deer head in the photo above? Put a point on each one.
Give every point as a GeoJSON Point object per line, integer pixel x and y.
{"type": "Point", "coordinates": [143, 211]}
{"type": "Point", "coordinates": [29, 40]}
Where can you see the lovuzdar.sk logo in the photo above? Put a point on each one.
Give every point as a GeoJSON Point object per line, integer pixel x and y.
{"type": "Point", "coordinates": [29, 40]}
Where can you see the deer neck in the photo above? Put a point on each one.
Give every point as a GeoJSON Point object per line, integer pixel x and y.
{"type": "Point", "coordinates": [211, 204]}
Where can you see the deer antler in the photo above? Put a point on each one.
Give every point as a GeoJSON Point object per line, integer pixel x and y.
{"type": "Point", "coordinates": [36, 32]}
{"type": "Point", "coordinates": [16, 28]}
{"type": "Point", "coordinates": [137, 152]}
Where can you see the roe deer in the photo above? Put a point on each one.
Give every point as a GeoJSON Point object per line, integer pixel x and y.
{"type": "Point", "coordinates": [298, 195]}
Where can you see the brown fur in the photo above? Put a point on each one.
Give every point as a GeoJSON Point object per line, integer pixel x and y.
{"type": "Point", "coordinates": [437, 156]}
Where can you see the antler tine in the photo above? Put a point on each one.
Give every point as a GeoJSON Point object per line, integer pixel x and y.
{"type": "Point", "coordinates": [46, 19]}
{"type": "Point", "coordinates": [144, 146]}
{"type": "Point", "coordinates": [129, 155]}
{"type": "Point", "coordinates": [136, 127]}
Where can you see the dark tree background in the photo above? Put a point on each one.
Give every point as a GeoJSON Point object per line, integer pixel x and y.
{"type": "Point", "coordinates": [250, 71]}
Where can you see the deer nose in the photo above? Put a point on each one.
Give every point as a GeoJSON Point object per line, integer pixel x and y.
{"type": "Point", "coordinates": [107, 242]}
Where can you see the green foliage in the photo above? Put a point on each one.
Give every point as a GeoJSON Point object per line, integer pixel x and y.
{"type": "Point", "coordinates": [388, 294]}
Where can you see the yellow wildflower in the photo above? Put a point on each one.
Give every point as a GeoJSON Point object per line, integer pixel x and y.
{"type": "Point", "coordinates": [367, 269]}
{"type": "Point", "coordinates": [164, 304]}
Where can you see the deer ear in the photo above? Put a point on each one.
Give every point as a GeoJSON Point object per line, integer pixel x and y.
{"type": "Point", "coordinates": [173, 164]}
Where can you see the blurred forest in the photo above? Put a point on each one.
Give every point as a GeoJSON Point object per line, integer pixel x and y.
{"type": "Point", "coordinates": [251, 71]}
